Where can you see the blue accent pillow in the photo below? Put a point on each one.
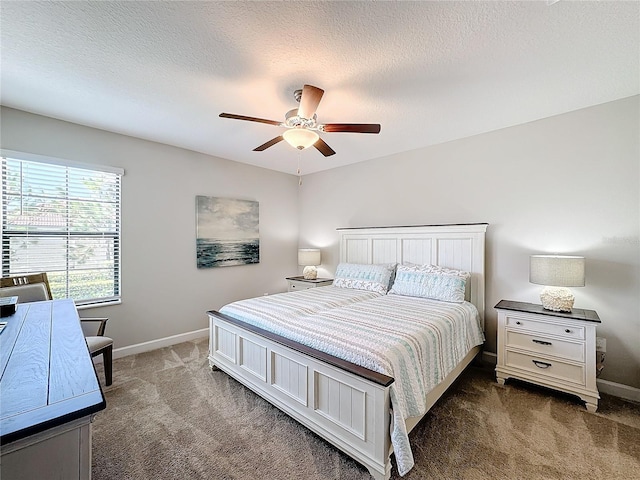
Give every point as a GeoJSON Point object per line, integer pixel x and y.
{"type": "Point", "coordinates": [374, 277]}
{"type": "Point", "coordinates": [430, 281]}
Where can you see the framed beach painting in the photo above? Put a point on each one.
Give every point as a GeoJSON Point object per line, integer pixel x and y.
{"type": "Point", "coordinates": [227, 232]}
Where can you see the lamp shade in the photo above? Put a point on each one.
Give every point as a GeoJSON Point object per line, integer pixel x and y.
{"type": "Point", "coordinates": [308, 257]}
{"type": "Point", "coordinates": [300, 138]}
{"type": "Point", "coordinates": [556, 270]}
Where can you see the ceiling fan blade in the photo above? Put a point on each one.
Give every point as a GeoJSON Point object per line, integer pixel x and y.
{"type": "Point", "coordinates": [309, 101]}
{"type": "Point", "coordinates": [250, 119]}
{"type": "Point", "coordinates": [323, 148]}
{"type": "Point", "coordinates": [351, 127]}
{"type": "Point", "coordinates": [270, 143]}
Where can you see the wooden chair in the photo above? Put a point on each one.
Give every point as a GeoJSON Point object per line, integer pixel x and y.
{"type": "Point", "coordinates": [35, 288]}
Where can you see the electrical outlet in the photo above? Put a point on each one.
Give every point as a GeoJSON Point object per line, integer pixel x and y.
{"type": "Point", "coordinates": [601, 344]}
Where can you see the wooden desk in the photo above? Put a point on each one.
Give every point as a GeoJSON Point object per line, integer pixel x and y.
{"type": "Point", "coordinates": [49, 392]}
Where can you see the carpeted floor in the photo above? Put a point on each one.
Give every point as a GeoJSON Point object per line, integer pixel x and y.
{"type": "Point", "coordinates": [169, 416]}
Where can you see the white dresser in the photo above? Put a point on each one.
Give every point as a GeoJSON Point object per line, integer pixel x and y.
{"type": "Point", "coordinates": [301, 283]}
{"type": "Point", "coordinates": [553, 349]}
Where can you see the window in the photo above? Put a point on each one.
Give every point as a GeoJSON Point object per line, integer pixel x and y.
{"type": "Point", "coordinates": [63, 219]}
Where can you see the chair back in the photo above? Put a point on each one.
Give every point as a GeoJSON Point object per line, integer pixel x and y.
{"type": "Point", "coordinates": [28, 288]}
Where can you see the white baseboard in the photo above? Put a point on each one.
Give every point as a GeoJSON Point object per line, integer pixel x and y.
{"type": "Point", "coordinates": [604, 386]}
{"type": "Point", "coordinates": [490, 358]}
{"type": "Point", "coordinates": [619, 390]}
{"type": "Point", "coordinates": [155, 344]}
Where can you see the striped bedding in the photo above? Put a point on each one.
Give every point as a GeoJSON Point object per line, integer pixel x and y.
{"type": "Point", "coordinates": [294, 304]}
{"type": "Point", "coordinates": [416, 341]}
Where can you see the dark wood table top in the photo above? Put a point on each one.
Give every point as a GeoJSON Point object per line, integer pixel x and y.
{"type": "Point", "coordinates": [574, 314]}
{"type": "Point", "coordinates": [315, 280]}
{"type": "Point", "coordinates": [47, 377]}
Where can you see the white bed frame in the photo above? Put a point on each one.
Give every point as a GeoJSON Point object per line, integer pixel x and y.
{"type": "Point", "coordinates": [345, 404]}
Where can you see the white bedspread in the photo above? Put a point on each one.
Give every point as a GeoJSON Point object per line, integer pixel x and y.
{"type": "Point", "coordinates": [416, 341]}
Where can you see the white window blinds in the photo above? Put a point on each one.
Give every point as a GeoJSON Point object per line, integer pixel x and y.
{"type": "Point", "coordinates": [63, 220]}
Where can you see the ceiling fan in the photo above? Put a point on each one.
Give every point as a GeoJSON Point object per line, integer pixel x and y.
{"type": "Point", "coordinates": [302, 125]}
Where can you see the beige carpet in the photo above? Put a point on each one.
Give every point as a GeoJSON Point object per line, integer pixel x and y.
{"type": "Point", "coordinates": [169, 416]}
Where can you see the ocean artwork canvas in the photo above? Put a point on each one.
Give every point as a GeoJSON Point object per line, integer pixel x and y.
{"type": "Point", "coordinates": [228, 232]}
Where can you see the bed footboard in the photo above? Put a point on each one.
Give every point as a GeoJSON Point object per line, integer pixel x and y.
{"type": "Point", "coordinates": [345, 404]}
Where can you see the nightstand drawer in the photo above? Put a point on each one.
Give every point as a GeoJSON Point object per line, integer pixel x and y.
{"type": "Point", "coordinates": [543, 366]}
{"type": "Point", "coordinates": [546, 345]}
{"type": "Point", "coordinates": [293, 286]}
{"type": "Point", "coordinates": [552, 327]}
{"type": "Point", "coordinates": [301, 283]}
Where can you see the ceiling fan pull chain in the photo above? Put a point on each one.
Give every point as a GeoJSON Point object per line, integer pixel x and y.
{"type": "Point", "coordinates": [299, 171]}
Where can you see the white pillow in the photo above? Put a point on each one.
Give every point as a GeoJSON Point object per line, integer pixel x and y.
{"type": "Point", "coordinates": [374, 277]}
{"type": "Point", "coordinates": [430, 281]}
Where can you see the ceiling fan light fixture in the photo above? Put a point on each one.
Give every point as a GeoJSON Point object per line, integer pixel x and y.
{"type": "Point", "coordinates": [300, 138]}
{"type": "Point", "coordinates": [302, 125]}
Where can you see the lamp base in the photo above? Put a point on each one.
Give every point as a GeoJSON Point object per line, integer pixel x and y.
{"type": "Point", "coordinates": [310, 273]}
{"type": "Point", "coordinates": [557, 299]}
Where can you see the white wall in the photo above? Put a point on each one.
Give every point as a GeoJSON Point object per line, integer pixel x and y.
{"type": "Point", "coordinates": [568, 184]}
{"type": "Point", "coordinates": [163, 293]}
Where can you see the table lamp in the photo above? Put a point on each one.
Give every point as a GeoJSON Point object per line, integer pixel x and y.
{"type": "Point", "coordinates": [556, 272]}
{"type": "Point", "coordinates": [309, 258]}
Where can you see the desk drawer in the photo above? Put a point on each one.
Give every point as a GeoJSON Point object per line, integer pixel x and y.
{"type": "Point", "coordinates": [546, 345]}
{"type": "Point", "coordinates": [554, 369]}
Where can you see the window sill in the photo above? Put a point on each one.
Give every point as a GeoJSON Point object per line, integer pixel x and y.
{"type": "Point", "coordinates": [98, 305]}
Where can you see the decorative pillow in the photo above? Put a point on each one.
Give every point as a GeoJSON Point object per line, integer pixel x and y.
{"type": "Point", "coordinates": [430, 281]}
{"type": "Point", "coordinates": [374, 278]}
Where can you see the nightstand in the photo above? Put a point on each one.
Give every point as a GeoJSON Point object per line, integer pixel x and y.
{"type": "Point", "coordinates": [301, 283]}
{"type": "Point", "coordinates": [553, 349]}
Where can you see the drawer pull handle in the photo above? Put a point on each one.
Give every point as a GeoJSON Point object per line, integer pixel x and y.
{"type": "Point", "coordinates": [540, 364]}
{"type": "Point", "coordinates": [541, 342]}
{"type": "Point", "coordinates": [518, 323]}
{"type": "Point", "coordinates": [566, 330]}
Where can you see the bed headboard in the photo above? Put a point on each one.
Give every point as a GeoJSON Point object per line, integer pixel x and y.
{"type": "Point", "coordinates": [453, 246]}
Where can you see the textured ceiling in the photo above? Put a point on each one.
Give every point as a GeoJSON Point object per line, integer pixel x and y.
{"type": "Point", "coordinates": [428, 72]}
